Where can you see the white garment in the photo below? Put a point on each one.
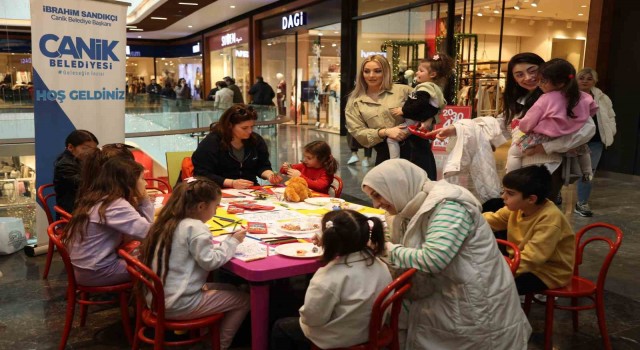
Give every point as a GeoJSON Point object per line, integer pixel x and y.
{"type": "Point", "coordinates": [338, 303]}
{"type": "Point", "coordinates": [606, 117]}
{"type": "Point", "coordinates": [470, 152]}
{"type": "Point", "coordinates": [474, 303]}
{"type": "Point", "coordinates": [223, 98]}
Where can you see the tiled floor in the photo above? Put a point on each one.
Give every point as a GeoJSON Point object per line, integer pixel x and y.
{"type": "Point", "coordinates": [32, 310]}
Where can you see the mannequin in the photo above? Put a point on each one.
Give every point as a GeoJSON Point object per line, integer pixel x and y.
{"type": "Point", "coordinates": [281, 93]}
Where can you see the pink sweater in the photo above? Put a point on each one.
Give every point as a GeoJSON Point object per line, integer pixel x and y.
{"type": "Point", "coordinates": [548, 116]}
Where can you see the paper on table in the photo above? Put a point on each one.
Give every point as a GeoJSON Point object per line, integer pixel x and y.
{"type": "Point", "coordinates": [271, 216]}
{"type": "Point", "coordinates": [251, 249]}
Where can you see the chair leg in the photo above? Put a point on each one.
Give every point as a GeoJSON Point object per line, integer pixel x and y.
{"type": "Point", "coordinates": [574, 314]}
{"type": "Point", "coordinates": [124, 310]}
{"type": "Point", "coordinates": [138, 330]}
{"type": "Point", "coordinates": [215, 336]}
{"type": "Point", "coordinates": [68, 320]}
{"type": "Point", "coordinates": [548, 327]}
{"type": "Point", "coordinates": [528, 299]}
{"type": "Point", "coordinates": [602, 323]}
{"type": "Point", "coordinates": [47, 264]}
{"type": "Point", "coordinates": [83, 309]}
{"type": "Point", "coordinates": [158, 340]}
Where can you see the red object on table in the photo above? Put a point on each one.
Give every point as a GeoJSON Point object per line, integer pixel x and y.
{"type": "Point", "coordinates": [258, 273]}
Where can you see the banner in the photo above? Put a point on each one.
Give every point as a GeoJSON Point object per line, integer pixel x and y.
{"type": "Point", "coordinates": [449, 115]}
{"type": "Point", "coordinates": [78, 49]}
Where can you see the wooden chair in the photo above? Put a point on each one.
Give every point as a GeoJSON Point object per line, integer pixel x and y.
{"type": "Point", "coordinates": [162, 186]}
{"type": "Point", "coordinates": [153, 317]}
{"type": "Point", "coordinates": [580, 287]}
{"type": "Point", "coordinates": [337, 186]}
{"type": "Point", "coordinates": [514, 261]}
{"type": "Point", "coordinates": [77, 293]}
{"type": "Point", "coordinates": [44, 201]}
{"type": "Point", "coordinates": [383, 335]}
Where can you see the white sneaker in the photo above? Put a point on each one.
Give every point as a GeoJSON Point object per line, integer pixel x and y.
{"type": "Point", "coordinates": [365, 163]}
{"type": "Point", "coordinates": [354, 159]}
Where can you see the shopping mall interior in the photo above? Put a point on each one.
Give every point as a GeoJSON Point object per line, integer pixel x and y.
{"type": "Point", "coordinates": [309, 52]}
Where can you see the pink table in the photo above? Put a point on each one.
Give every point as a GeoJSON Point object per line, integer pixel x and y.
{"type": "Point", "coordinates": [258, 273]}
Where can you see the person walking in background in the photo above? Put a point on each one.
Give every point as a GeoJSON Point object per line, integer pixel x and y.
{"type": "Point", "coordinates": [237, 94]}
{"type": "Point", "coordinates": [183, 95]}
{"type": "Point", "coordinates": [223, 98]}
{"type": "Point", "coordinates": [153, 89]}
{"type": "Point", "coordinates": [262, 93]}
{"type": "Point", "coordinates": [605, 120]}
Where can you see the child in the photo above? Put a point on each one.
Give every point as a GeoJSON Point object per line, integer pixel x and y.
{"type": "Point", "coordinates": [115, 208]}
{"type": "Point", "coordinates": [66, 172]}
{"type": "Point", "coordinates": [179, 248]}
{"type": "Point", "coordinates": [422, 107]}
{"type": "Point", "coordinates": [562, 110]}
{"type": "Point", "coordinates": [95, 159]}
{"type": "Point", "coordinates": [538, 228]}
{"type": "Point", "coordinates": [317, 167]}
{"type": "Point", "coordinates": [338, 302]}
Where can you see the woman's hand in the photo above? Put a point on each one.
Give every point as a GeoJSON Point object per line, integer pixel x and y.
{"type": "Point", "coordinates": [396, 112]}
{"type": "Point", "coordinates": [275, 179]}
{"type": "Point", "coordinates": [241, 183]}
{"type": "Point", "coordinates": [398, 133]}
{"type": "Point", "coordinates": [294, 172]}
{"type": "Point", "coordinates": [537, 149]}
{"type": "Point", "coordinates": [443, 133]}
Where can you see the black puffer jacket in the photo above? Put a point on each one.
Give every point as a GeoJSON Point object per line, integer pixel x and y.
{"type": "Point", "coordinates": [211, 159]}
{"type": "Point", "coordinates": [66, 179]}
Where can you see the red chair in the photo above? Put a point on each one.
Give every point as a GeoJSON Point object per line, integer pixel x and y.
{"type": "Point", "coordinates": [336, 185]}
{"type": "Point", "coordinates": [580, 287]}
{"type": "Point", "coordinates": [162, 186]}
{"type": "Point", "coordinates": [63, 213]}
{"type": "Point", "coordinates": [44, 201]}
{"type": "Point", "coordinates": [513, 262]}
{"type": "Point", "coordinates": [385, 335]}
{"type": "Point", "coordinates": [154, 317]}
{"type": "Point", "coordinates": [77, 293]}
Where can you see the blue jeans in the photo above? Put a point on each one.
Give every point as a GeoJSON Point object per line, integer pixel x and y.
{"type": "Point", "coordinates": [584, 188]}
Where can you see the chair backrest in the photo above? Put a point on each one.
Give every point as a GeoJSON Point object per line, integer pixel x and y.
{"type": "Point", "coordinates": [55, 232]}
{"type": "Point", "coordinates": [155, 184]}
{"type": "Point", "coordinates": [399, 287]}
{"type": "Point", "coordinates": [174, 164]}
{"type": "Point", "coordinates": [337, 186]}
{"type": "Point", "coordinates": [44, 198]}
{"type": "Point", "coordinates": [140, 273]}
{"type": "Point", "coordinates": [514, 261]}
{"type": "Point", "coordinates": [63, 213]}
{"type": "Point", "coordinates": [613, 248]}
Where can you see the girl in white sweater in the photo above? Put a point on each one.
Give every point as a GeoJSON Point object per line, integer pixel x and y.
{"type": "Point", "coordinates": [179, 248]}
{"type": "Point", "coordinates": [338, 303]}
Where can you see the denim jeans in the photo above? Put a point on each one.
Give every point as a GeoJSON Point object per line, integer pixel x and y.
{"type": "Point", "coordinates": [584, 188]}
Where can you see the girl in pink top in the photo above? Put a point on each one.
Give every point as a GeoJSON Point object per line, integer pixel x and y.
{"type": "Point", "coordinates": [562, 110]}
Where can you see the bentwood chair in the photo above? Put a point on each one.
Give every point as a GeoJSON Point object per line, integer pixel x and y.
{"type": "Point", "coordinates": [580, 287]}
{"type": "Point", "coordinates": [153, 317]}
{"type": "Point", "coordinates": [383, 335]}
{"type": "Point", "coordinates": [77, 293]}
{"type": "Point", "coordinates": [337, 186]}
{"type": "Point", "coordinates": [512, 261]}
{"type": "Point", "coordinates": [44, 201]}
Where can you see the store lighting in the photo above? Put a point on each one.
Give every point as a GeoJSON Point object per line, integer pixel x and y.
{"type": "Point", "coordinates": [517, 5]}
{"type": "Point", "coordinates": [190, 26]}
{"type": "Point", "coordinates": [132, 27]}
{"type": "Point", "coordinates": [188, 3]}
{"type": "Point", "coordinates": [583, 5]}
{"type": "Point", "coordinates": [539, 11]}
{"type": "Point", "coordinates": [496, 10]}
{"type": "Point", "coordinates": [139, 36]}
{"type": "Point", "coordinates": [534, 3]}
{"type": "Point", "coordinates": [160, 18]}
{"type": "Point", "coordinates": [580, 14]}
{"type": "Point", "coordinates": [480, 13]}
{"type": "Point", "coordinates": [136, 30]}
{"type": "Point", "coordinates": [569, 24]}
{"type": "Point", "coordinates": [232, 6]}
{"type": "Point", "coordinates": [334, 45]}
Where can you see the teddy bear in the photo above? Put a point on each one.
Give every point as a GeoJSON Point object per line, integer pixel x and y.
{"type": "Point", "coordinates": [297, 190]}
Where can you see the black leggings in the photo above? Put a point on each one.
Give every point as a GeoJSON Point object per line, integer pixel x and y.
{"type": "Point", "coordinates": [529, 283]}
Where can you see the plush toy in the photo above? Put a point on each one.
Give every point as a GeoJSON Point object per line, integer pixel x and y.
{"type": "Point", "coordinates": [297, 190]}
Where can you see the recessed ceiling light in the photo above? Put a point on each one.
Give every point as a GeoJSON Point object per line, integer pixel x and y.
{"type": "Point", "coordinates": [336, 32]}
{"type": "Point", "coordinates": [539, 11]}
{"type": "Point", "coordinates": [160, 18]}
{"type": "Point", "coordinates": [190, 26]}
{"type": "Point", "coordinates": [233, 6]}
{"type": "Point", "coordinates": [517, 5]}
{"type": "Point", "coordinates": [139, 36]}
{"type": "Point", "coordinates": [487, 6]}
{"type": "Point", "coordinates": [583, 5]}
{"type": "Point", "coordinates": [580, 14]}
{"type": "Point", "coordinates": [534, 3]}
{"type": "Point", "coordinates": [188, 3]}
{"type": "Point", "coordinates": [132, 27]}
{"type": "Point", "coordinates": [162, 58]}
{"type": "Point", "coordinates": [136, 30]}
{"type": "Point", "coordinates": [334, 45]}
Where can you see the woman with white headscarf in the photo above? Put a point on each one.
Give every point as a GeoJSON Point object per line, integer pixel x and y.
{"type": "Point", "coordinates": [463, 296]}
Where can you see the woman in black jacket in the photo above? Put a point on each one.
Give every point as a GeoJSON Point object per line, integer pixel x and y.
{"type": "Point", "coordinates": [66, 172]}
{"type": "Point", "coordinates": [232, 154]}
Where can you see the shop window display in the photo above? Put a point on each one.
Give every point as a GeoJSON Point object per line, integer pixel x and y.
{"type": "Point", "coordinates": [15, 79]}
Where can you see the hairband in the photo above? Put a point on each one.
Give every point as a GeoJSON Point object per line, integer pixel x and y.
{"type": "Point", "coordinates": [191, 179]}
{"type": "Point", "coordinates": [328, 224]}
{"type": "Point", "coordinates": [571, 76]}
{"type": "Point", "coordinates": [436, 57]}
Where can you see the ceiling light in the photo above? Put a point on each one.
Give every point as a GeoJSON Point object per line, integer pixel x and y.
{"type": "Point", "coordinates": [487, 6]}
{"type": "Point", "coordinates": [188, 3]}
{"type": "Point", "coordinates": [139, 36]}
{"type": "Point", "coordinates": [132, 27]}
{"type": "Point", "coordinates": [496, 10]}
{"type": "Point", "coordinates": [320, 34]}
{"type": "Point", "coordinates": [233, 6]}
{"type": "Point", "coordinates": [580, 14]}
{"type": "Point", "coordinates": [336, 32]}
{"type": "Point", "coordinates": [334, 45]}
{"type": "Point", "coordinates": [190, 26]}
{"type": "Point", "coordinates": [136, 30]}
{"type": "Point", "coordinates": [480, 13]}
{"type": "Point", "coordinates": [160, 18]}
{"type": "Point", "coordinates": [569, 24]}
{"type": "Point", "coordinates": [162, 59]}
{"type": "Point", "coordinates": [517, 5]}
{"type": "Point", "coordinates": [534, 3]}
{"type": "Point", "coordinates": [583, 5]}
{"type": "Point", "coordinates": [532, 22]}
{"type": "Point", "coordinates": [539, 11]}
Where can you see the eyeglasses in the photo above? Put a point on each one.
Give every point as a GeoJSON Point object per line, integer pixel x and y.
{"type": "Point", "coordinates": [242, 111]}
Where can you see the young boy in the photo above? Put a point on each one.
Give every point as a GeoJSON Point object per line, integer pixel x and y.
{"type": "Point", "coordinates": [538, 228]}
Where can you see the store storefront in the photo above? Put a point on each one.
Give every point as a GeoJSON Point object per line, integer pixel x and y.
{"type": "Point", "coordinates": [228, 56]}
{"type": "Point", "coordinates": [300, 59]}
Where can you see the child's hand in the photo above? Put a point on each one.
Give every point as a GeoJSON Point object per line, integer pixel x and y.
{"type": "Point", "coordinates": [275, 179]}
{"type": "Point", "coordinates": [317, 240]}
{"type": "Point", "coordinates": [239, 235]}
{"type": "Point", "coordinates": [396, 112]}
{"type": "Point", "coordinates": [294, 173]}
{"type": "Point", "coordinates": [515, 123]}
